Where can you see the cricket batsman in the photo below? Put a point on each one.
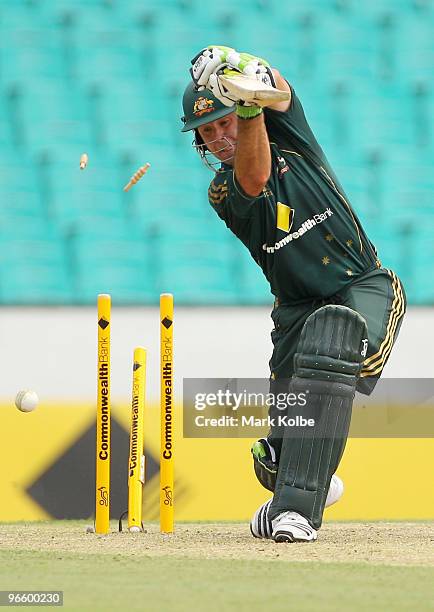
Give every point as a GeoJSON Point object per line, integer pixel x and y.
{"type": "Point", "coordinates": [337, 311]}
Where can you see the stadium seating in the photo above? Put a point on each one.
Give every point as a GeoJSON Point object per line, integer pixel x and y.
{"type": "Point", "coordinates": [110, 256]}
{"type": "Point", "coordinates": [34, 267]}
{"type": "Point", "coordinates": [106, 77]}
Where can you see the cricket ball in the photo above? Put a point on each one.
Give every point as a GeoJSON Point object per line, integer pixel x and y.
{"type": "Point", "coordinates": [26, 400]}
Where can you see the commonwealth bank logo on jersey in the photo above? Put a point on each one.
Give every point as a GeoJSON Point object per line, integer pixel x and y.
{"type": "Point", "coordinates": [285, 219]}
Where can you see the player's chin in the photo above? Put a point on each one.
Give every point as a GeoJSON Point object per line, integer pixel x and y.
{"type": "Point", "coordinates": [226, 155]}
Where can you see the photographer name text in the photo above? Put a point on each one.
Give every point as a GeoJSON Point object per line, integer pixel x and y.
{"type": "Point", "coordinates": [252, 421]}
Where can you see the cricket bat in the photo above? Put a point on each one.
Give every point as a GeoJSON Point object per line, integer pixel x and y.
{"type": "Point", "coordinates": [250, 89]}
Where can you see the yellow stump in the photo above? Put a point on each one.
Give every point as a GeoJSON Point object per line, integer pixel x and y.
{"type": "Point", "coordinates": [136, 466]}
{"type": "Point", "coordinates": [166, 407]}
{"type": "Point", "coordinates": [102, 493]}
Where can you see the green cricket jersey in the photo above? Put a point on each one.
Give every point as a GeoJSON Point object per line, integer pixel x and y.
{"type": "Point", "coordinates": [301, 229]}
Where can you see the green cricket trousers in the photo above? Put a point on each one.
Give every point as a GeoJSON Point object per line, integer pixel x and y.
{"type": "Point", "coordinates": [377, 295]}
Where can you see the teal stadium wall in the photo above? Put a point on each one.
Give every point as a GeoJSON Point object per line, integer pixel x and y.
{"type": "Point", "coordinates": [106, 77]}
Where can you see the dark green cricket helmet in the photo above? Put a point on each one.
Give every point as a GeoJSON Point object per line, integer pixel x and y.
{"type": "Point", "coordinates": [201, 107]}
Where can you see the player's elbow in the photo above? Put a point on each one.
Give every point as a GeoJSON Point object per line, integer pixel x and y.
{"type": "Point", "coordinates": [253, 185]}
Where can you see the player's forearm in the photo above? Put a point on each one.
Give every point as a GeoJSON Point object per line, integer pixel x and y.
{"type": "Point", "coordinates": [252, 156]}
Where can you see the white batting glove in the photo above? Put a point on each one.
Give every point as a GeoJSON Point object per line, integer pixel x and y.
{"type": "Point", "coordinates": [219, 90]}
{"type": "Point", "coordinates": [207, 61]}
{"type": "Point", "coordinates": [254, 67]}
{"type": "Point", "coordinates": [215, 58]}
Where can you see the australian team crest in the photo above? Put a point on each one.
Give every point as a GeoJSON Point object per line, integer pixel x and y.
{"type": "Point", "coordinates": [202, 106]}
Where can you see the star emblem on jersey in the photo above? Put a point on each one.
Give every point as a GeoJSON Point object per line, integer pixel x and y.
{"type": "Point", "coordinates": [349, 272]}
{"type": "Point", "coordinates": [326, 260]}
{"type": "Point", "coordinates": [329, 237]}
{"type": "Point", "coordinates": [349, 243]}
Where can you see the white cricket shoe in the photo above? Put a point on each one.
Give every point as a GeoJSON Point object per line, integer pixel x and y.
{"type": "Point", "coordinates": [260, 525]}
{"type": "Point", "coordinates": [292, 527]}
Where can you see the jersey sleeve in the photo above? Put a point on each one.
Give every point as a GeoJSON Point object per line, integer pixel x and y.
{"type": "Point", "coordinates": [290, 130]}
{"type": "Point", "coordinates": [225, 192]}
{"type": "Point", "coordinates": [232, 204]}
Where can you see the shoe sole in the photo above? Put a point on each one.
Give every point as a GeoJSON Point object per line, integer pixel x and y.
{"type": "Point", "coordinates": [286, 536]}
{"type": "Point", "coordinates": [283, 536]}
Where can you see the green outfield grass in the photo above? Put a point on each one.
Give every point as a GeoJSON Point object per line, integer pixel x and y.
{"type": "Point", "coordinates": [151, 572]}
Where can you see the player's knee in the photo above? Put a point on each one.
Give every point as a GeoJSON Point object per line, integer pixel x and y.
{"type": "Point", "coordinates": [332, 346]}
